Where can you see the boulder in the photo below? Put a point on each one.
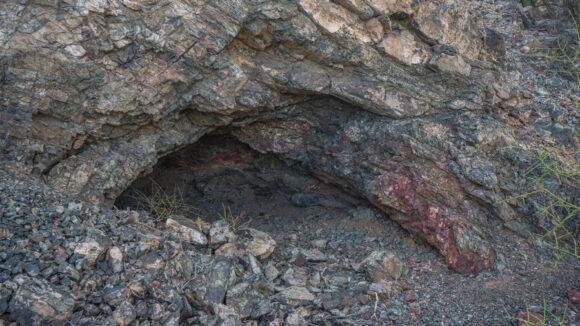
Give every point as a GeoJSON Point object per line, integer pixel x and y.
{"type": "Point", "coordinates": [37, 302]}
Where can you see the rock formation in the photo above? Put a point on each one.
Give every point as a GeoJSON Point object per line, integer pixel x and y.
{"type": "Point", "coordinates": [407, 103]}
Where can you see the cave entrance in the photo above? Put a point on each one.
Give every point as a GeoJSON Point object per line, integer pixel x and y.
{"type": "Point", "coordinates": [219, 175]}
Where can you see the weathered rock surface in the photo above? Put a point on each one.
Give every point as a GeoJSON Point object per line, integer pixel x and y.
{"type": "Point", "coordinates": [187, 229]}
{"type": "Point", "coordinates": [382, 265]}
{"type": "Point", "coordinates": [406, 103]}
{"type": "Point", "coordinates": [256, 242]}
{"type": "Point", "coordinates": [220, 233]}
{"type": "Point", "coordinates": [37, 302]}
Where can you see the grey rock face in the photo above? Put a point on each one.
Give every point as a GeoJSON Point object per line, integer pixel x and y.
{"type": "Point", "coordinates": [143, 87]}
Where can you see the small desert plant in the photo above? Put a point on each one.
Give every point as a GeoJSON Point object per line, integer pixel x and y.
{"type": "Point", "coordinates": [567, 54]}
{"type": "Point", "coordinates": [546, 318]}
{"type": "Point", "coordinates": [573, 6]}
{"type": "Point", "coordinates": [235, 223]}
{"type": "Point", "coordinates": [553, 168]}
{"type": "Point", "coordinates": [556, 167]}
{"type": "Point", "coordinates": [160, 203]}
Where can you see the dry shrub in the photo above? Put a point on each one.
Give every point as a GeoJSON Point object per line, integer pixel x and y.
{"type": "Point", "coordinates": [161, 203]}
{"type": "Point", "coordinates": [235, 222]}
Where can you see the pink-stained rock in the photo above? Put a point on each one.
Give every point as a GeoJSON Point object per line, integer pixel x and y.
{"type": "Point", "coordinates": [439, 225]}
{"type": "Point", "coordinates": [529, 318]}
{"type": "Point", "coordinates": [573, 296]}
{"type": "Point", "coordinates": [411, 297]}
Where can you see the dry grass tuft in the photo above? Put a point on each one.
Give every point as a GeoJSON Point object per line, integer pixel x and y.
{"type": "Point", "coordinates": [235, 223]}
{"type": "Point", "coordinates": [161, 203]}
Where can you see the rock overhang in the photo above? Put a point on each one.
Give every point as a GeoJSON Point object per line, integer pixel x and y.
{"type": "Point", "coordinates": [114, 97]}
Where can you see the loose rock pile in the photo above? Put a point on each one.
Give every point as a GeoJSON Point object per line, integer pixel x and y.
{"type": "Point", "coordinates": [64, 260]}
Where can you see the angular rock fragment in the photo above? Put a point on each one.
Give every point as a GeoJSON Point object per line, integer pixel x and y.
{"type": "Point", "coordinates": [93, 246]}
{"type": "Point", "coordinates": [187, 229]}
{"type": "Point", "coordinates": [312, 255]}
{"type": "Point", "coordinates": [296, 295]}
{"type": "Point", "coordinates": [336, 300]}
{"type": "Point", "coordinates": [250, 297]}
{"type": "Point", "coordinates": [296, 276]}
{"type": "Point", "coordinates": [271, 272]}
{"type": "Point", "coordinates": [220, 233]}
{"type": "Point", "coordinates": [382, 265]}
{"type": "Point", "coordinates": [253, 263]}
{"type": "Point", "coordinates": [225, 315]}
{"type": "Point", "coordinates": [258, 243]}
{"type": "Point", "coordinates": [228, 250]}
{"type": "Point", "coordinates": [295, 319]}
{"type": "Point", "coordinates": [124, 314]}
{"type": "Point", "coordinates": [115, 259]}
{"type": "Point", "coordinates": [211, 282]}
{"type": "Point", "coordinates": [37, 302]}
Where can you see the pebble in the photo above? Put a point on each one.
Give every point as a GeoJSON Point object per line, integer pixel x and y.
{"type": "Point", "coordinates": [573, 296]}
{"type": "Point", "coordinates": [124, 314]}
{"type": "Point", "coordinates": [271, 271]}
{"type": "Point", "coordinates": [382, 265]}
{"type": "Point", "coordinates": [296, 276]}
{"type": "Point", "coordinates": [220, 233]}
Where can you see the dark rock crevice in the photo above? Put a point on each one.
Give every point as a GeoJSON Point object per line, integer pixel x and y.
{"type": "Point", "coordinates": [339, 144]}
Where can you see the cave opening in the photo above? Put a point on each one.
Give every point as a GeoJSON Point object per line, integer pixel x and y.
{"type": "Point", "coordinates": [220, 176]}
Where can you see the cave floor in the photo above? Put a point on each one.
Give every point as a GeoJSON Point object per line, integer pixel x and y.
{"type": "Point", "coordinates": [219, 175]}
